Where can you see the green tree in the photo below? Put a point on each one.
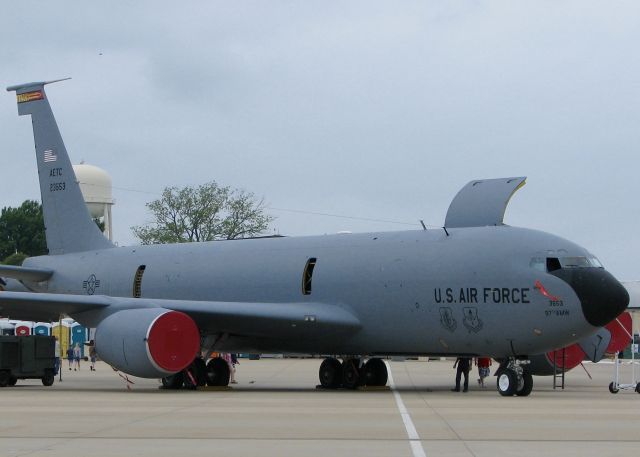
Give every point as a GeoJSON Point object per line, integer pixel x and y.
{"type": "Point", "coordinates": [22, 230]}
{"type": "Point", "coordinates": [204, 213]}
{"type": "Point", "coordinates": [15, 259]}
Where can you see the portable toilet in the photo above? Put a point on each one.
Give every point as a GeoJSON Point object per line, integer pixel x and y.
{"type": "Point", "coordinates": [42, 329]}
{"type": "Point", "coordinates": [64, 336]}
{"type": "Point", "coordinates": [78, 336]}
{"type": "Point", "coordinates": [23, 328]}
{"type": "Point", "coordinates": [7, 328]}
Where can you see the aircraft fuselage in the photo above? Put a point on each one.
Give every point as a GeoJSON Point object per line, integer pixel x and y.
{"type": "Point", "coordinates": [473, 291]}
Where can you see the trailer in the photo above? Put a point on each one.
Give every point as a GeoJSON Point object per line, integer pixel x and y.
{"type": "Point", "coordinates": [27, 357]}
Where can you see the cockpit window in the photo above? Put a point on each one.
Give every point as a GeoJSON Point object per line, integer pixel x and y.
{"type": "Point", "coordinates": [580, 262]}
{"type": "Point", "coordinates": [574, 262]}
{"type": "Point", "coordinates": [538, 263]}
{"type": "Point", "coordinates": [549, 264]}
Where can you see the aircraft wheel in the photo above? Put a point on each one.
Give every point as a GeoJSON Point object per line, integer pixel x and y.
{"type": "Point", "coordinates": [13, 380]}
{"type": "Point", "coordinates": [47, 379]}
{"type": "Point", "coordinates": [218, 372]}
{"type": "Point", "coordinates": [638, 388]}
{"type": "Point", "coordinates": [374, 373]}
{"type": "Point", "coordinates": [351, 374]}
{"type": "Point", "coordinates": [525, 386]}
{"type": "Point", "coordinates": [613, 388]}
{"type": "Point", "coordinates": [173, 381]}
{"type": "Point", "coordinates": [330, 373]}
{"type": "Point", "coordinates": [5, 377]}
{"type": "Point", "coordinates": [199, 370]}
{"type": "Point", "coordinates": [507, 383]}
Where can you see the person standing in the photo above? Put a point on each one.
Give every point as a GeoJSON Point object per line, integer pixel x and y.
{"type": "Point", "coordinates": [234, 362]}
{"type": "Point", "coordinates": [70, 356]}
{"type": "Point", "coordinates": [76, 356]}
{"type": "Point", "coordinates": [463, 365]}
{"type": "Point", "coordinates": [57, 356]}
{"type": "Point", "coordinates": [227, 357]}
{"type": "Point", "coordinates": [92, 355]}
{"type": "Point", "coordinates": [483, 364]}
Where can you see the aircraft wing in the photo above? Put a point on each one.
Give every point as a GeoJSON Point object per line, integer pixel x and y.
{"type": "Point", "coordinates": [240, 318]}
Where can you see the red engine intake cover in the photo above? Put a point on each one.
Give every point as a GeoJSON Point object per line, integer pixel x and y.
{"type": "Point", "coordinates": [573, 356]}
{"type": "Point", "coordinates": [173, 341]}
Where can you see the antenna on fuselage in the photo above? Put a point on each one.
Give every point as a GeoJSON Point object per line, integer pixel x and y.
{"type": "Point", "coordinates": [424, 227]}
{"type": "Point", "coordinates": [445, 230]}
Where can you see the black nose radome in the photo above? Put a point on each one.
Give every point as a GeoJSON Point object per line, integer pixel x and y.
{"type": "Point", "coordinates": [602, 297]}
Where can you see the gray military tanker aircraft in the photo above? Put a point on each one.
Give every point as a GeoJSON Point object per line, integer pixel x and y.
{"type": "Point", "coordinates": [474, 287]}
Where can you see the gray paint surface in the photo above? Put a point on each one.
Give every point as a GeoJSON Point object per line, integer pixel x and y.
{"type": "Point", "coordinates": [469, 290]}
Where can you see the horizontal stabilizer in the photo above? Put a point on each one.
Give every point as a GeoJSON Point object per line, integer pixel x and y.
{"type": "Point", "coordinates": [25, 273]}
{"type": "Point", "coordinates": [482, 202]}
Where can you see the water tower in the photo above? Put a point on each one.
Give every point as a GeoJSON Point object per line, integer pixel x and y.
{"type": "Point", "coordinates": [95, 185]}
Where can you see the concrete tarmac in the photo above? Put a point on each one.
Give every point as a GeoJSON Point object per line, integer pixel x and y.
{"type": "Point", "coordinates": [275, 410]}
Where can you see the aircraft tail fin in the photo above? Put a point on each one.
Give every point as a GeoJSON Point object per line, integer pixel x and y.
{"type": "Point", "coordinates": [68, 225]}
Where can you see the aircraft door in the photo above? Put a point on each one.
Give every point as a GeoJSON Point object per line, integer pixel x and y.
{"type": "Point", "coordinates": [137, 282]}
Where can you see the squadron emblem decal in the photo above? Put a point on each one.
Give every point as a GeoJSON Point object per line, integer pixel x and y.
{"type": "Point", "coordinates": [447, 320]}
{"type": "Point", "coordinates": [91, 284]}
{"type": "Point", "coordinates": [471, 320]}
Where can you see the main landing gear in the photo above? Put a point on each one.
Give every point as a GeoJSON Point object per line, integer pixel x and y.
{"type": "Point", "coordinates": [352, 373]}
{"type": "Point", "coordinates": [513, 379]}
{"type": "Point", "coordinates": [198, 374]}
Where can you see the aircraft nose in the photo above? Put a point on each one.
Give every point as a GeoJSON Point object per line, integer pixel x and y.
{"type": "Point", "coordinates": [602, 297]}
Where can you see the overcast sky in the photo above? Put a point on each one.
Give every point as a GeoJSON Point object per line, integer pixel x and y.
{"type": "Point", "coordinates": [378, 110]}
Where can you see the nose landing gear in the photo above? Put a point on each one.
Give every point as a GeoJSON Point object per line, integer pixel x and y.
{"type": "Point", "coordinates": [352, 373]}
{"type": "Point", "coordinates": [513, 379]}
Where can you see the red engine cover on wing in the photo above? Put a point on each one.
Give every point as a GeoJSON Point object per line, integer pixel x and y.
{"type": "Point", "coordinates": [173, 340]}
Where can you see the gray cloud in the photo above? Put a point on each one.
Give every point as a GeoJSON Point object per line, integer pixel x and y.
{"type": "Point", "coordinates": [374, 109]}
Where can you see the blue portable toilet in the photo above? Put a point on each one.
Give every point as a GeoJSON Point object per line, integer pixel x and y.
{"type": "Point", "coordinates": [78, 335]}
{"type": "Point", "coordinates": [42, 329]}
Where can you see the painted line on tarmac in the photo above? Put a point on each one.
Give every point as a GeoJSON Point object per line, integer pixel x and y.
{"type": "Point", "coordinates": [412, 433]}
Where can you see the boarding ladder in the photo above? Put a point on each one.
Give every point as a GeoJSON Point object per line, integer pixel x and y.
{"type": "Point", "coordinates": [558, 370]}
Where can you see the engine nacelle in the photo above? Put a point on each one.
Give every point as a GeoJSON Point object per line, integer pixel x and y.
{"type": "Point", "coordinates": [148, 342]}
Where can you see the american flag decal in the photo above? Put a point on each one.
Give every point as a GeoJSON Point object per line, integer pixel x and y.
{"type": "Point", "coordinates": [50, 156]}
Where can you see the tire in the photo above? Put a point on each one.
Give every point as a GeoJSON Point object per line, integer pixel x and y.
{"type": "Point", "coordinates": [330, 373]}
{"type": "Point", "coordinates": [13, 380]}
{"type": "Point", "coordinates": [374, 373]}
{"type": "Point", "coordinates": [48, 378]}
{"type": "Point", "coordinates": [218, 372]}
{"type": "Point", "coordinates": [201, 371]}
{"type": "Point", "coordinates": [174, 381]}
{"type": "Point", "coordinates": [507, 383]}
{"type": "Point", "coordinates": [5, 377]}
{"type": "Point", "coordinates": [638, 388]}
{"type": "Point", "coordinates": [525, 388]}
{"type": "Point", "coordinates": [351, 378]}
{"type": "Point", "coordinates": [613, 388]}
